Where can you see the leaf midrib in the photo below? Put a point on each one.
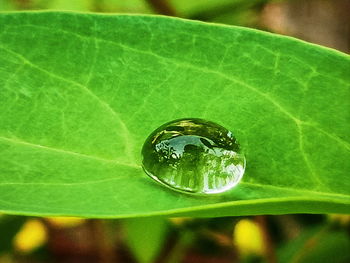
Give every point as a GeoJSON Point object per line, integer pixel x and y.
{"type": "Point", "coordinates": [63, 151]}
{"type": "Point", "coordinates": [99, 159]}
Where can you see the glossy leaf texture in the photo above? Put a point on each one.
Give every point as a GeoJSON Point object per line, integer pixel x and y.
{"type": "Point", "coordinates": [79, 94]}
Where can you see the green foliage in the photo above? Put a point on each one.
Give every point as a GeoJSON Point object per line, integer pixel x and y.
{"type": "Point", "coordinates": [145, 237]}
{"type": "Point", "coordinates": [317, 244]}
{"type": "Point", "coordinates": [81, 92]}
{"type": "Point", "coordinates": [9, 226]}
{"type": "Point", "coordinates": [236, 12]}
{"type": "Point", "coordinates": [116, 6]}
{"type": "Point", "coordinates": [81, 5]}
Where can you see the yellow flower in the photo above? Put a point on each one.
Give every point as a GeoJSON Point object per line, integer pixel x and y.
{"type": "Point", "coordinates": [179, 220]}
{"type": "Point", "coordinates": [65, 222]}
{"type": "Point", "coordinates": [343, 220]}
{"type": "Point", "coordinates": [248, 238]}
{"type": "Point", "coordinates": [32, 235]}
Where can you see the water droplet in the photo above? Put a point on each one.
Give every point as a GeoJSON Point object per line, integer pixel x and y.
{"type": "Point", "coordinates": [193, 156]}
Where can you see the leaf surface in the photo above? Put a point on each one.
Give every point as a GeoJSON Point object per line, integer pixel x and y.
{"type": "Point", "coordinates": [79, 94]}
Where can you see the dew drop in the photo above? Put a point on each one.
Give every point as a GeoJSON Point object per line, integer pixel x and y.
{"type": "Point", "coordinates": [193, 156]}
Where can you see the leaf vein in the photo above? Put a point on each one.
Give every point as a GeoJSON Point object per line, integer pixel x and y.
{"type": "Point", "coordinates": [63, 151]}
{"type": "Point", "coordinates": [129, 145]}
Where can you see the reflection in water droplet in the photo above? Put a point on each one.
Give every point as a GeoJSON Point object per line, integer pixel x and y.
{"type": "Point", "coordinates": [193, 156]}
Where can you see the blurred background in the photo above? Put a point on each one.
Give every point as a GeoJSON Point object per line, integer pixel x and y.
{"type": "Point", "coordinates": [282, 238]}
{"type": "Point", "coordinates": [325, 22]}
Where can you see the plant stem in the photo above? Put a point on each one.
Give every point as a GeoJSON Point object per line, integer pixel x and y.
{"type": "Point", "coordinates": [309, 245]}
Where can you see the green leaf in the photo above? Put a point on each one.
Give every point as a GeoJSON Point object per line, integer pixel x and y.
{"type": "Point", "coordinates": [145, 237]}
{"type": "Point", "coordinates": [79, 94]}
{"type": "Point", "coordinates": [316, 244]}
{"type": "Point", "coordinates": [7, 5]}
{"type": "Point", "coordinates": [77, 5]}
{"type": "Point", "coordinates": [191, 8]}
{"type": "Point", "coordinates": [235, 12]}
{"type": "Point", "coordinates": [9, 226]}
